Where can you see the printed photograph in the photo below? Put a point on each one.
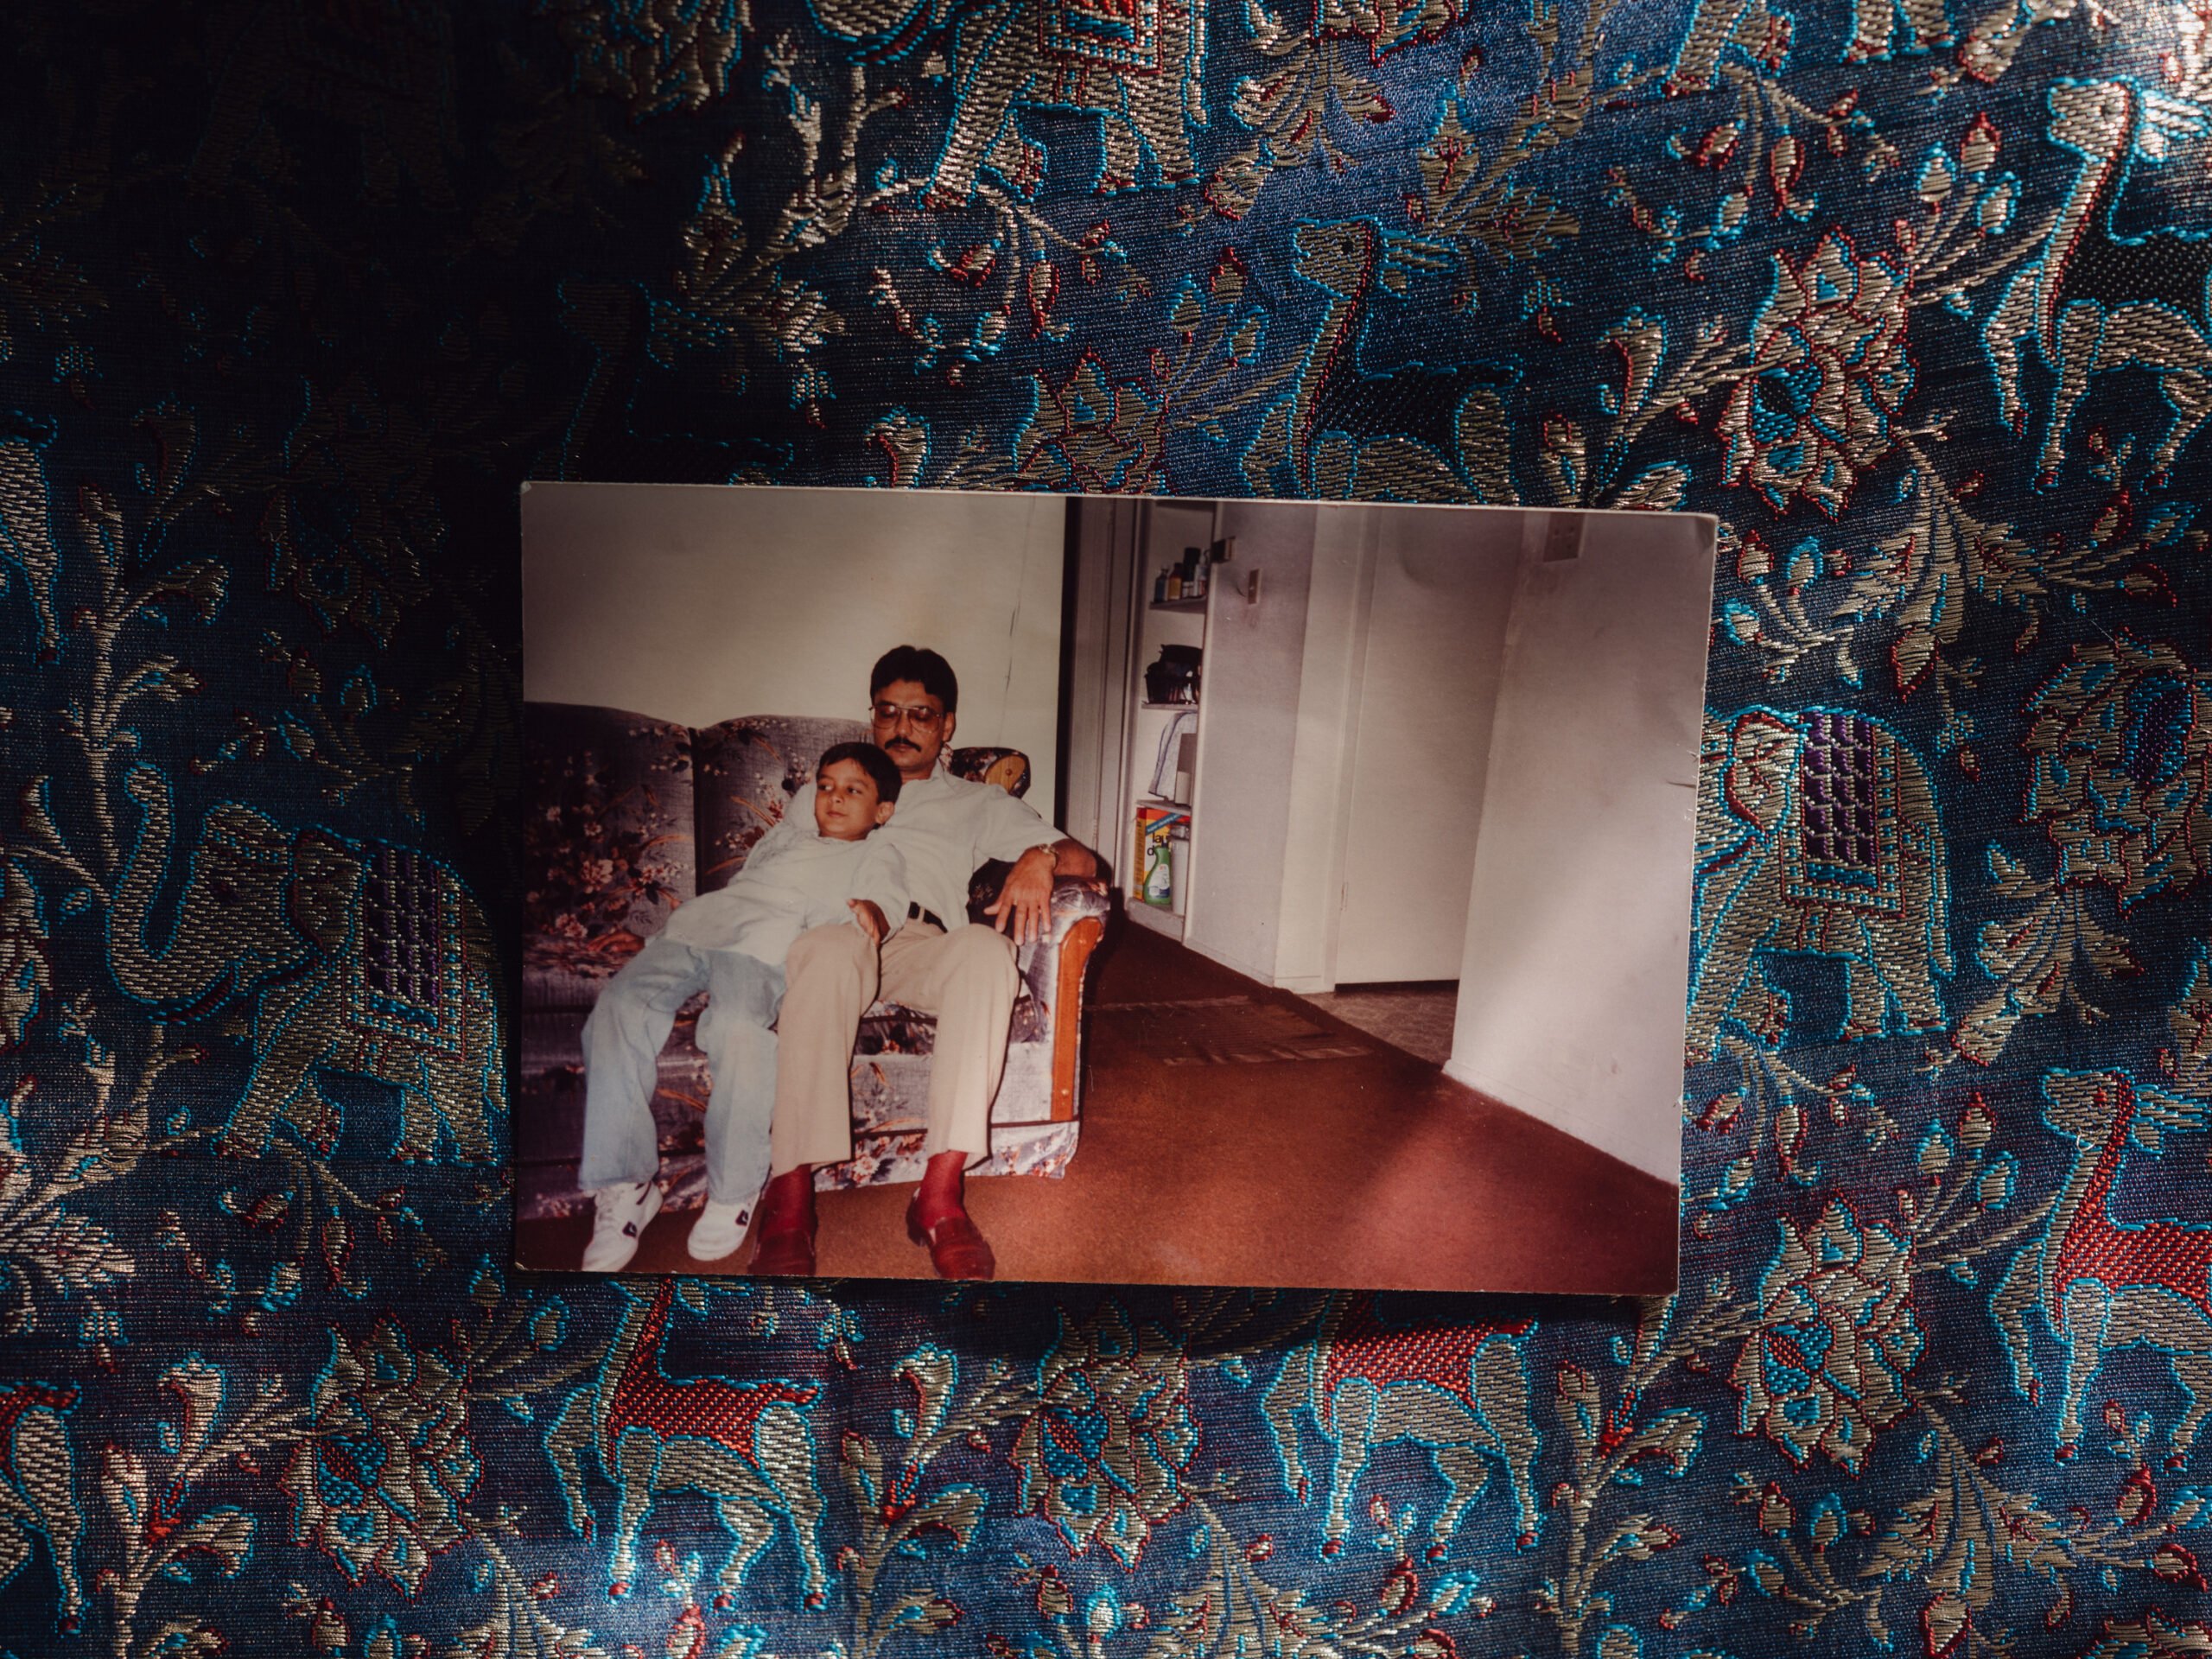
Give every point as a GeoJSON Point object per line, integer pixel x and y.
{"type": "Point", "coordinates": [928, 883]}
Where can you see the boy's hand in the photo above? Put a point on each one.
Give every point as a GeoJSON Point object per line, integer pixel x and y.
{"type": "Point", "coordinates": [870, 919]}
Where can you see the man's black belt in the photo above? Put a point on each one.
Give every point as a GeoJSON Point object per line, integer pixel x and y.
{"type": "Point", "coordinates": [915, 912]}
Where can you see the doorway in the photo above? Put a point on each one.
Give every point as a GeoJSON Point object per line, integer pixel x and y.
{"type": "Point", "coordinates": [1440, 592]}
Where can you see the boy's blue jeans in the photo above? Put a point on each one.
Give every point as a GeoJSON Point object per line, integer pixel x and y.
{"type": "Point", "coordinates": [623, 1039]}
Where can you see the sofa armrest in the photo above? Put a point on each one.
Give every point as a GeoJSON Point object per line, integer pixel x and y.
{"type": "Point", "coordinates": [1074, 897]}
{"type": "Point", "coordinates": [1055, 967]}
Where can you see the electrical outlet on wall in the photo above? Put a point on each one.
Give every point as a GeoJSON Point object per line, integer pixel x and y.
{"type": "Point", "coordinates": [1562, 536]}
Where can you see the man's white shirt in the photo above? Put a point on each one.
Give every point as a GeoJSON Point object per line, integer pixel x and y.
{"type": "Point", "coordinates": [945, 828]}
{"type": "Point", "coordinates": [795, 877]}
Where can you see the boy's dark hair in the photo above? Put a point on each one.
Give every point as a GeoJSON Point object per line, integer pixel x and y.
{"type": "Point", "coordinates": [870, 760]}
{"type": "Point", "coordinates": [923, 666]}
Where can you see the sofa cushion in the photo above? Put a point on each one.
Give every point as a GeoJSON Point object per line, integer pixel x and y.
{"type": "Point", "coordinates": [749, 770]}
{"type": "Point", "coordinates": [606, 843]}
{"type": "Point", "coordinates": [616, 799]}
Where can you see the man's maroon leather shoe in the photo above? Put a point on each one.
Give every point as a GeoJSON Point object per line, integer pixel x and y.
{"type": "Point", "coordinates": [787, 1252]}
{"type": "Point", "coordinates": [784, 1243]}
{"type": "Point", "coordinates": [957, 1249]}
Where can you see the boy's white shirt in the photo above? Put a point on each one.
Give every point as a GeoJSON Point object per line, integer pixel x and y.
{"type": "Point", "coordinates": [794, 879]}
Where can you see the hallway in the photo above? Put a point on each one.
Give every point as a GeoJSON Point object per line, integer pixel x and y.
{"type": "Point", "coordinates": [1234, 1135]}
{"type": "Point", "coordinates": [1415, 1016]}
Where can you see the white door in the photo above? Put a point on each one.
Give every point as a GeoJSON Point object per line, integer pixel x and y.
{"type": "Point", "coordinates": [1247, 734]}
{"type": "Point", "coordinates": [1442, 589]}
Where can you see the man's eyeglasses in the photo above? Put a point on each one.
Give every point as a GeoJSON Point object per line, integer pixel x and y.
{"type": "Point", "coordinates": [921, 716]}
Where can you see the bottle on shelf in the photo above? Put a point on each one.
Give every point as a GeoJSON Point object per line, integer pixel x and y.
{"type": "Point", "coordinates": [1159, 586]}
{"type": "Point", "coordinates": [1174, 584]}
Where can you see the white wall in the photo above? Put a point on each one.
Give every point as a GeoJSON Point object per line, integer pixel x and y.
{"type": "Point", "coordinates": [1573, 981]}
{"type": "Point", "coordinates": [1247, 731]}
{"type": "Point", "coordinates": [699, 603]}
{"type": "Point", "coordinates": [1441, 588]}
{"type": "Point", "coordinates": [1322, 750]}
{"type": "Point", "coordinates": [1576, 840]}
{"type": "Point", "coordinates": [1323, 851]}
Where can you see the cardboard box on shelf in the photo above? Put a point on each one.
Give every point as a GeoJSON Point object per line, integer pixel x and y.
{"type": "Point", "coordinates": [1155, 824]}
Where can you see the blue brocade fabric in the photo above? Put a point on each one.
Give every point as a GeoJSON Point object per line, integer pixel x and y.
{"type": "Point", "coordinates": [1911, 294]}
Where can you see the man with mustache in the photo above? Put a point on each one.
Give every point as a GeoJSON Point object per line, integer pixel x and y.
{"type": "Point", "coordinates": [938, 962]}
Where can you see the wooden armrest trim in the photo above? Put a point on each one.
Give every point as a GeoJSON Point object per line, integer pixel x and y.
{"type": "Point", "coordinates": [1067, 1013]}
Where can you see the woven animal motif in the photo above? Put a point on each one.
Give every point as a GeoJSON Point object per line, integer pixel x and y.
{"type": "Point", "coordinates": [746, 1446]}
{"type": "Point", "coordinates": [1139, 64]}
{"type": "Point", "coordinates": [1346, 429]}
{"type": "Point", "coordinates": [2103, 1285]}
{"type": "Point", "coordinates": [2093, 301]}
{"type": "Point", "coordinates": [1459, 1391]}
{"type": "Point", "coordinates": [367, 960]}
{"type": "Point", "coordinates": [1817, 836]}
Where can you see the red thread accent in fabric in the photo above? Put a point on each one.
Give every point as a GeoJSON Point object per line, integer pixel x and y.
{"type": "Point", "coordinates": [2166, 1254]}
{"type": "Point", "coordinates": [698, 1407]}
{"type": "Point", "coordinates": [1364, 1347]}
{"type": "Point", "coordinates": [30, 1396]}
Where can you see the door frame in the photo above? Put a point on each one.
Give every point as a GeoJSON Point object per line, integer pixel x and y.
{"type": "Point", "coordinates": [1100, 642]}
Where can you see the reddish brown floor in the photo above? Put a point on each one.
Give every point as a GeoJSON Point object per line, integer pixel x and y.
{"type": "Point", "coordinates": [1376, 1172]}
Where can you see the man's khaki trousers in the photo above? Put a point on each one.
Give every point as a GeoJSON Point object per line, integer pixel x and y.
{"type": "Point", "coordinates": [966, 978]}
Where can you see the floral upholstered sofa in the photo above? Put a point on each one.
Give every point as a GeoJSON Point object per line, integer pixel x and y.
{"type": "Point", "coordinates": [626, 818]}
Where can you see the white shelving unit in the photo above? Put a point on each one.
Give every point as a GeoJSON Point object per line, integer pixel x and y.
{"type": "Point", "coordinates": [1164, 530]}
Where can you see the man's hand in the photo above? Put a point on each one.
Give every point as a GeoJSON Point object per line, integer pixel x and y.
{"type": "Point", "coordinates": [869, 916]}
{"type": "Point", "coordinates": [1023, 909]}
{"type": "Point", "coordinates": [1073, 858]}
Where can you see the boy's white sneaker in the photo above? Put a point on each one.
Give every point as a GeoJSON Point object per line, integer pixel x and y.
{"type": "Point", "coordinates": [620, 1215]}
{"type": "Point", "coordinates": [720, 1229]}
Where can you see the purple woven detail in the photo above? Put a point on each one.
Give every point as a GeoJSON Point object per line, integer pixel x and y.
{"type": "Point", "coordinates": [1839, 778]}
{"type": "Point", "coordinates": [1844, 849]}
{"type": "Point", "coordinates": [403, 933]}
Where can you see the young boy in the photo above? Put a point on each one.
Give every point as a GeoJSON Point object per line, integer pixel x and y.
{"type": "Point", "coordinates": [811, 869]}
